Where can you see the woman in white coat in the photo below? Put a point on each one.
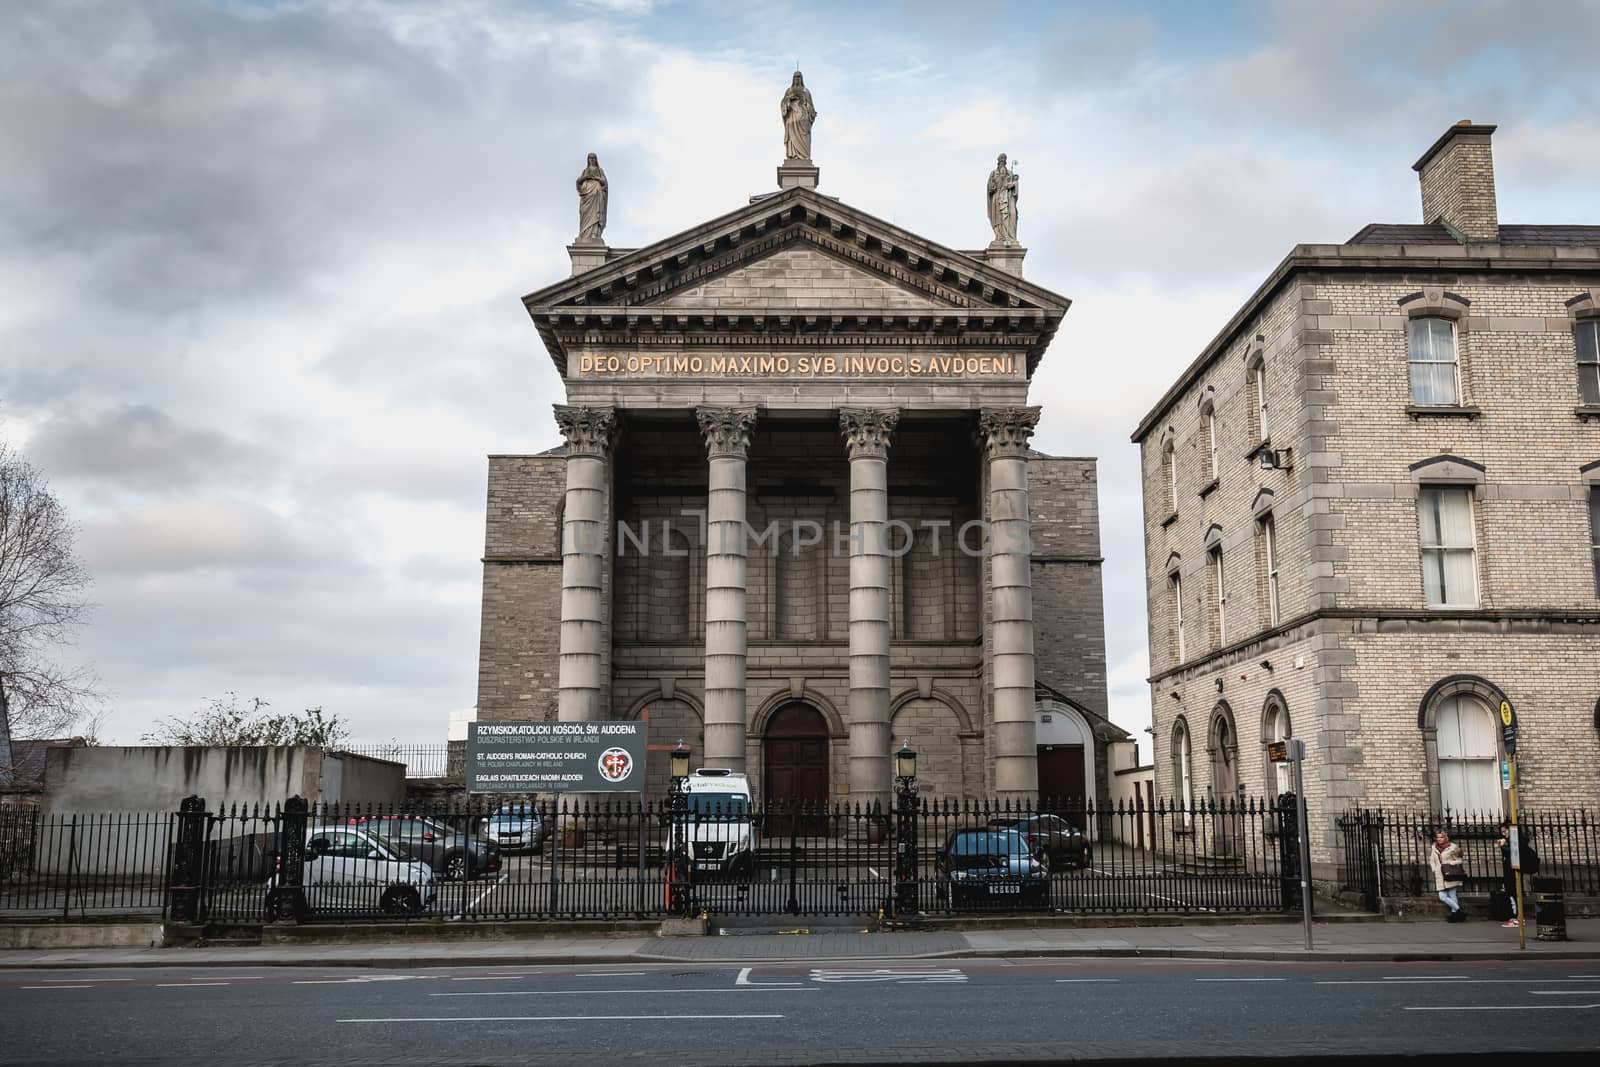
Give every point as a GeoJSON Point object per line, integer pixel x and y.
{"type": "Point", "coordinates": [1449, 873]}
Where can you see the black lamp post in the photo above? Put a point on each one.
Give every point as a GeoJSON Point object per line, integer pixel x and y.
{"type": "Point", "coordinates": [905, 868]}
{"type": "Point", "coordinates": [679, 872]}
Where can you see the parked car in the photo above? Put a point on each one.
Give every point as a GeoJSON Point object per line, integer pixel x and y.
{"type": "Point", "coordinates": [990, 866]}
{"type": "Point", "coordinates": [451, 855]}
{"type": "Point", "coordinates": [515, 827]}
{"type": "Point", "coordinates": [1061, 843]}
{"type": "Point", "coordinates": [348, 869]}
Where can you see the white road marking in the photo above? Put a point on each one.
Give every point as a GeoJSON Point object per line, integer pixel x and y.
{"type": "Point", "coordinates": [498, 883]}
{"type": "Point", "coordinates": [75, 981]}
{"type": "Point", "coordinates": [55, 987]}
{"type": "Point", "coordinates": [1423, 977]}
{"type": "Point", "coordinates": [608, 974]}
{"type": "Point", "coordinates": [1562, 992]}
{"type": "Point", "coordinates": [1465, 981]}
{"type": "Point", "coordinates": [744, 979]}
{"type": "Point", "coordinates": [555, 1018]}
{"type": "Point", "coordinates": [616, 992]}
{"type": "Point", "coordinates": [1241, 979]}
{"type": "Point", "coordinates": [1076, 980]}
{"type": "Point", "coordinates": [187, 985]}
{"type": "Point", "coordinates": [490, 978]}
{"type": "Point", "coordinates": [905, 976]}
{"type": "Point", "coordinates": [1506, 1007]}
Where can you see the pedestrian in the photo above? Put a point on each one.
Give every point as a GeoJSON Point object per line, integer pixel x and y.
{"type": "Point", "coordinates": [1449, 873]}
{"type": "Point", "coordinates": [1528, 861]}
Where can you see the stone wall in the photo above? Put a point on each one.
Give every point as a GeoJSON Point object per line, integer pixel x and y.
{"type": "Point", "coordinates": [519, 632]}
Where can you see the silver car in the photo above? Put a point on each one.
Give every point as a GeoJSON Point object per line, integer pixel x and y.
{"type": "Point", "coordinates": [348, 869]}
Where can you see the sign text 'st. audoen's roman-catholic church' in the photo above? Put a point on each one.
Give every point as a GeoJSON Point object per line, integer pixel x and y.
{"type": "Point", "coordinates": [796, 518]}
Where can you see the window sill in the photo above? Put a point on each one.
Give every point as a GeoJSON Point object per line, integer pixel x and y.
{"type": "Point", "coordinates": [1587, 411]}
{"type": "Point", "coordinates": [1444, 411]}
{"type": "Point", "coordinates": [1207, 490]}
{"type": "Point", "coordinates": [1452, 607]}
{"type": "Point", "coordinates": [1182, 831]}
{"type": "Point", "coordinates": [1171, 518]}
{"type": "Point", "coordinates": [1259, 447]}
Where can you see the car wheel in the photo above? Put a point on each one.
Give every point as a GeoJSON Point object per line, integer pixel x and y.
{"type": "Point", "coordinates": [743, 868]}
{"type": "Point", "coordinates": [401, 900]}
{"type": "Point", "coordinates": [455, 866]}
{"type": "Point", "coordinates": [283, 905]}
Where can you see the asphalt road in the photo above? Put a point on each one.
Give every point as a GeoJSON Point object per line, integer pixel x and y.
{"type": "Point", "coordinates": [967, 1011]}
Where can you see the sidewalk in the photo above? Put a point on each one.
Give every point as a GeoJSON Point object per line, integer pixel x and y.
{"type": "Point", "coordinates": [1375, 941]}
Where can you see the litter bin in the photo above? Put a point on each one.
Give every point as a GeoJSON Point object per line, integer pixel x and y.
{"type": "Point", "coordinates": [1550, 909]}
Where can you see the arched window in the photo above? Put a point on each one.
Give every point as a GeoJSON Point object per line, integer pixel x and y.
{"type": "Point", "coordinates": [1279, 777]}
{"type": "Point", "coordinates": [1469, 753]}
{"type": "Point", "coordinates": [1169, 476]}
{"type": "Point", "coordinates": [1183, 770]}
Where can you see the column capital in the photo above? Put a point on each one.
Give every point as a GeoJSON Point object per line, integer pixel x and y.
{"type": "Point", "coordinates": [868, 431]}
{"type": "Point", "coordinates": [726, 430]}
{"type": "Point", "coordinates": [1005, 431]}
{"type": "Point", "coordinates": [588, 430]}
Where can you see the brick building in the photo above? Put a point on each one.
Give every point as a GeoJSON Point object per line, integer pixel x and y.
{"type": "Point", "coordinates": [788, 433]}
{"type": "Point", "coordinates": [1372, 515]}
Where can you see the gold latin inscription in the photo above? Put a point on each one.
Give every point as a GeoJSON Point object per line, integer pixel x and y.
{"type": "Point", "coordinates": [800, 366]}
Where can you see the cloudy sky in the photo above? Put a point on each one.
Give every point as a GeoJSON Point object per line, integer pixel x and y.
{"type": "Point", "coordinates": [262, 261]}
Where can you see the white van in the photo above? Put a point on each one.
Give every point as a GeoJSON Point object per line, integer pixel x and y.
{"type": "Point", "coordinates": [721, 834]}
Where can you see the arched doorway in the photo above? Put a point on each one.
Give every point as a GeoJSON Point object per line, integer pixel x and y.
{"type": "Point", "coordinates": [1225, 791]}
{"type": "Point", "coordinates": [795, 761]}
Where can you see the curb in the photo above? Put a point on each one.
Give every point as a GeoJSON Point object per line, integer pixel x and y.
{"type": "Point", "coordinates": [175, 957]}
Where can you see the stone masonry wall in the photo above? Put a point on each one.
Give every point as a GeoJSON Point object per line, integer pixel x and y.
{"type": "Point", "coordinates": [519, 642]}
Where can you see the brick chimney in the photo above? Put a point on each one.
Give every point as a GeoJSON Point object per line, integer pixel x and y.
{"type": "Point", "coordinates": [1458, 182]}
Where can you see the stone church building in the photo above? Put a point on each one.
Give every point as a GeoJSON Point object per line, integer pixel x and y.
{"type": "Point", "coordinates": [796, 518]}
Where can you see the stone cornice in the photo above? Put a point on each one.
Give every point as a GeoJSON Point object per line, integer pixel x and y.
{"type": "Point", "coordinates": [588, 430]}
{"type": "Point", "coordinates": [1452, 260]}
{"type": "Point", "coordinates": [868, 431]}
{"type": "Point", "coordinates": [726, 430]}
{"type": "Point", "coordinates": [1005, 431]}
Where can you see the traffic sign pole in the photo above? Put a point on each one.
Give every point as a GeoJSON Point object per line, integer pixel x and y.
{"type": "Point", "coordinates": [1508, 739]}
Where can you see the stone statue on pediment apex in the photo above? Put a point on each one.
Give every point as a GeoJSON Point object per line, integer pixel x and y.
{"type": "Point", "coordinates": [798, 114]}
{"type": "Point", "coordinates": [1002, 192]}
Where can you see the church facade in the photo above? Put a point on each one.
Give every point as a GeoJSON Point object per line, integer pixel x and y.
{"type": "Point", "coordinates": [796, 518]}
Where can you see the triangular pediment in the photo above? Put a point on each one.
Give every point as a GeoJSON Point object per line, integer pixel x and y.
{"type": "Point", "coordinates": [797, 260]}
{"type": "Point", "coordinates": [798, 273]}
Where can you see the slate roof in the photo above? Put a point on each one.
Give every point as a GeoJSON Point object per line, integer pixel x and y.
{"type": "Point", "coordinates": [1434, 233]}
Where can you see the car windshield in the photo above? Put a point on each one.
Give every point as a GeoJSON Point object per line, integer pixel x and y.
{"type": "Point", "coordinates": [719, 805]}
{"type": "Point", "coordinates": [987, 844]}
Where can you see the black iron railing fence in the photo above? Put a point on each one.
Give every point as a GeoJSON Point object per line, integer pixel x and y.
{"type": "Point", "coordinates": [1385, 853]}
{"type": "Point", "coordinates": [623, 858]}
{"type": "Point", "coordinates": [64, 866]}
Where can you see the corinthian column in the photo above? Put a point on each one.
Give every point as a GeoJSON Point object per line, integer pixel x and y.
{"type": "Point", "coordinates": [1005, 434]}
{"type": "Point", "coordinates": [727, 434]}
{"type": "Point", "coordinates": [582, 684]}
{"type": "Point", "coordinates": [867, 433]}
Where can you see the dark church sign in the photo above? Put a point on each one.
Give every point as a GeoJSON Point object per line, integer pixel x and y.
{"type": "Point", "coordinates": [555, 757]}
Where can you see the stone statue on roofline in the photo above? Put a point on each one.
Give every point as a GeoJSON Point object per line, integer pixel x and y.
{"type": "Point", "coordinates": [592, 196]}
{"type": "Point", "coordinates": [1003, 204]}
{"type": "Point", "coordinates": [798, 114]}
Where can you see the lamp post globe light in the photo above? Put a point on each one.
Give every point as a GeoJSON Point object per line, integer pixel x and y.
{"type": "Point", "coordinates": [678, 873]}
{"type": "Point", "coordinates": [905, 867]}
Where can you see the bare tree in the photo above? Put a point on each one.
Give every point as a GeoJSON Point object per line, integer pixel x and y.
{"type": "Point", "coordinates": [224, 721]}
{"type": "Point", "coordinates": [42, 584]}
